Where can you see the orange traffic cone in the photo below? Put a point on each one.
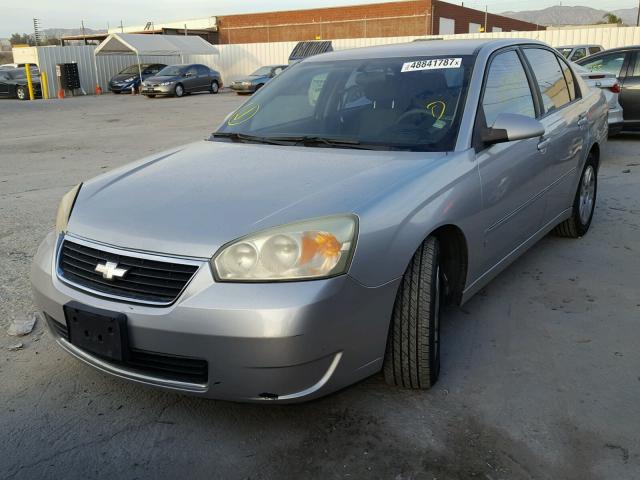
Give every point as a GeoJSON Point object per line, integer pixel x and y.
{"type": "Point", "coordinates": [98, 90]}
{"type": "Point", "coordinates": [61, 94]}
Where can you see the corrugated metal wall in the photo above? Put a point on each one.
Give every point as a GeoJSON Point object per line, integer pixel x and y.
{"type": "Point", "coordinates": [106, 65]}
{"type": "Point", "coordinates": [236, 60]}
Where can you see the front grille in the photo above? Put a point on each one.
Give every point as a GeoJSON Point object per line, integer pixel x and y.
{"type": "Point", "coordinates": [169, 367]}
{"type": "Point", "coordinates": [146, 281]}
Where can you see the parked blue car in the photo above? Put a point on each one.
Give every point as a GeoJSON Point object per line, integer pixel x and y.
{"type": "Point", "coordinates": [130, 76]}
{"type": "Point", "coordinates": [257, 79]}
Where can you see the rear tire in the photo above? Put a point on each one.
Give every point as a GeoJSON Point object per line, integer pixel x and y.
{"type": "Point", "coordinates": [412, 358]}
{"type": "Point", "coordinates": [21, 93]}
{"type": "Point", "coordinates": [584, 203]}
{"type": "Point", "coordinates": [179, 90]}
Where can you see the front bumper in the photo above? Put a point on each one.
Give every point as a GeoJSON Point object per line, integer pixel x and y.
{"type": "Point", "coordinates": [285, 342]}
{"type": "Point", "coordinates": [122, 88]}
{"type": "Point", "coordinates": [158, 90]}
{"type": "Point", "coordinates": [237, 87]}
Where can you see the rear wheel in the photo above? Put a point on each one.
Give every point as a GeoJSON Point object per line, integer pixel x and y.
{"type": "Point", "coordinates": [214, 88]}
{"type": "Point", "coordinates": [412, 359]}
{"type": "Point", "coordinates": [21, 93]}
{"type": "Point", "coordinates": [179, 90]}
{"type": "Point", "coordinates": [583, 204]}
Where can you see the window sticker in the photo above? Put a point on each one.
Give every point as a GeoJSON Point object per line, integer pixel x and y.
{"type": "Point", "coordinates": [432, 64]}
{"type": "Point", "coordinates": [243, 114]}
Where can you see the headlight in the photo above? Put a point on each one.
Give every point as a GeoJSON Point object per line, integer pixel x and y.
{"type": "Point", "coordinates": [127, 80]}
{"type": "Point", "coordinates": [166, 83]}
{"type": "Point", "coordinates": [317, 248]}
{"type": "Point", "coordinates": [64, 210]}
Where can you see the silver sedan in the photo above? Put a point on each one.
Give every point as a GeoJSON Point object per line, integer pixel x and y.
{"type": "Point", "coordinates": [314, 239]}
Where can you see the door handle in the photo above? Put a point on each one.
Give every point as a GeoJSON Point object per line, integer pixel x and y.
{"type": "Point", "coordinates": [583, 122]}
{"type": "Point", "coordinates": [542, 146]}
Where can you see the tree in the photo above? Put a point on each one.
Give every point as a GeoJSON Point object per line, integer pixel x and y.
{"type": "Point", "coordinates": [611, 18]}
{"type": "Point", "coordinates": [21, 39]}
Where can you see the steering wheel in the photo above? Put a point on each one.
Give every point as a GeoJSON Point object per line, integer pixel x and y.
{"type": "Point", "coordinates": [352, 94]}
{"type": "Point", "coordinates": [415, 112]}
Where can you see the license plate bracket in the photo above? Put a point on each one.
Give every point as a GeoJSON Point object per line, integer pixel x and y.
{"type": "Point", "coordinates": [101, 332]}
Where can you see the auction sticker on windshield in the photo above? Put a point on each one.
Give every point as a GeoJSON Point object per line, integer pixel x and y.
{"type": "Point", "coordinates": [431, 64]}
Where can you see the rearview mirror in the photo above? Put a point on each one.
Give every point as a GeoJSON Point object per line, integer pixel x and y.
{"type": "Point", "coordinates": [511, 126]}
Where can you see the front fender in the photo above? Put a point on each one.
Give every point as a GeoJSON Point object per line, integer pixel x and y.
{"type": "Point", "coordinates": [393, 227]}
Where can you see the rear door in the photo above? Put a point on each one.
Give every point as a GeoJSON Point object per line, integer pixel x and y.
{"type": "Point", "coordinates": [512, 173]}
{"type": "Point", "coordinates": [566, 127]}
{"type": "Point", "coordinates": [4, 87]}
{"type": "Point", "coordinates": [630, 94]}
{"type": "Point", "coordinates": [204, 77]}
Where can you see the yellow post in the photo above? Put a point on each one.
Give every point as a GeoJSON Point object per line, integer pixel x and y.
{"type": "Point", "coordinates": [44, 85]}
{"type": "Point", "coordinates": [27, 67]}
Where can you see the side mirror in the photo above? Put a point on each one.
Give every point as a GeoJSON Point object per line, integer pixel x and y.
{"type": "Point", "coordinates": [187, 74]}
{"type": "Point", "coordinates": [510, 126]}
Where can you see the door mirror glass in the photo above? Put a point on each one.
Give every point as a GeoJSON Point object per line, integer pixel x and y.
{"type": "Point", "coordinates": [511, 126]}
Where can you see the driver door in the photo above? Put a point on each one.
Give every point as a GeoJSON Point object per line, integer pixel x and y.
{"type": "Point", "coordinates": [511, 173]}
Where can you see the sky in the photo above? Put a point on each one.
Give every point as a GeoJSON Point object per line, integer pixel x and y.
{"type": "Point", "coordinates": [97, 14]}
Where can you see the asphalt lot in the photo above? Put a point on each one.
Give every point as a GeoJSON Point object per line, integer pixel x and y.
{"type": "Point", "coordinates": [540, 376]}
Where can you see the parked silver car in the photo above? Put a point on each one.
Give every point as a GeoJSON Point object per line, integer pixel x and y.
{"type": "Point", "coordinates": [177, 80]}
{"type": "Point", "coordinates": [608, 83]}
{"type": "Point", "coordinates": [314, 239]}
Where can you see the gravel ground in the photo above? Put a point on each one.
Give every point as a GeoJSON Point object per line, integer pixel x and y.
{"type": "Point", "coordinates": [540, 375]}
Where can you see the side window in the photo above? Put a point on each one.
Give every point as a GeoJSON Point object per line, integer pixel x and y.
{"type": "Point", "coordinates": [578, 54]}
{"type": "Point", "coordinates": [568, 76]}
{"type": "Point", "coordinates": [636, 68]}
{"type": "Point", "coordinates": [192, 72]}
{"type": "Point", "coordinates": [611, 63]}
{"type": "Point", "coordinates": [202, 70]}
{"type": "Point", "coordinates": [593, 50]}
{"type": "Point", "coordinates": [506, 89]}
{"type": "Point", "coordinates": [549, 77]}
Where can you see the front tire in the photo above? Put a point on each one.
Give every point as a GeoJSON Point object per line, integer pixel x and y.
{"type": "Point", "coordinates": [215, 88]}
{"type": "Point", "coordinates": [179, 90]}
{"type": "Point", "coordinates": [21, 93]}
{"type": "Point", "coordinates": [584, 202]}
{"type": "Point", "coordinates": [412, 359]}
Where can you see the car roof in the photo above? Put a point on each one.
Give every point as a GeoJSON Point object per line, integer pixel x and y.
{"type": "Point", "coordinates": [433, 47]}
{"type": "Point", "coordinates": [627, 47]}
{"type": "Point", "coordinates": [580, 45]}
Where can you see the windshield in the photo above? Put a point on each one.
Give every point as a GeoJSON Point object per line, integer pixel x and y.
{"type": "Point", "coordinates": [171, 71]}
{"type": "Point", "coordinates": [411, 103]}
{"type": "Point", "coordinates": [261, 72]}
{"type": "Point", "coordinates": [565, 52]}
{"type": "Point", "coordinates": [131, 69]}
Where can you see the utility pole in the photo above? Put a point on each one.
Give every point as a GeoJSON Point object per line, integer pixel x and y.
{"type": "Point", "coordinates": [485, 18]}
{"type": "Point", "coordinates": [638, 19]}
{"type": "Point", "coordinates": [84, 33]}
{"type": "Point", "coordinates": [121, 27]}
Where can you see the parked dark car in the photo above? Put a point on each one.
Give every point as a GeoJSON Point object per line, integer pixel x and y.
{"type": "Point", "coordinates": [130, 77]}
{"type": "Point", "coordinates": [13, 84]}
{"type": "Point", "coordinates": [177, 80]}
{"type": "Point", "coordinates": [623, 62]}
{"type": "Point", "coordinates": [257, 79]}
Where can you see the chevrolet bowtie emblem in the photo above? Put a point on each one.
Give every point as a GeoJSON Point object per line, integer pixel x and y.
{"type": "Point", "coordinates": [110, 270]}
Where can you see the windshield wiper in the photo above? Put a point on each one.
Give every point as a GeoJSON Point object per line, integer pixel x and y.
{"type": "Point", "coordinates": [243, 137]}
{"type": "Point", "coordinates": [315, 140]}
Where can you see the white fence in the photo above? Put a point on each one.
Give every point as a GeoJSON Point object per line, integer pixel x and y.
{"type": "Point", "coordinates": [241, 59]}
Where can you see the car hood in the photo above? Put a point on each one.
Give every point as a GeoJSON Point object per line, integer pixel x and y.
{"type": "Point", "coordinates": [120, 77]}
{"type": "Point", "coordinates": [192, 200]}
{"type": "Point", "coordinates": [163, 78]}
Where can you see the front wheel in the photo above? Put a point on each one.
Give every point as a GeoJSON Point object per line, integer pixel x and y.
{"type": "Point", "coordinates": [214, 88]}
{"type": "Point", "coordinates": [21, 93]}
{"type": "Point", "coordinates": [179, 90]}
{"type": "Point", "coordinates": [584, 202]}
{"type": "Point", "coordinates": [412, 359]}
